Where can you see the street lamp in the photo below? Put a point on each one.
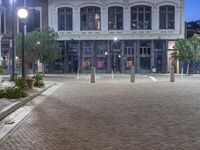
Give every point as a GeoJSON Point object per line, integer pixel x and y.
{"type": "Point", "coordinates": [22, 13]}
{"type": "Point", "coordinates": [13, 41]}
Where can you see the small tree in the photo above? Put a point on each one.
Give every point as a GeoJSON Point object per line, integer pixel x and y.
{"type": "Point", "coordinates": [187, 50]}
{"type": "Point", "coordinates": [40, 45]}
{"type": "Point", "coordinates": [183, 52]}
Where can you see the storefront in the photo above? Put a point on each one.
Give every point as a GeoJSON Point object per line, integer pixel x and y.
{"type": "Point", "coordinates": [118, 56]}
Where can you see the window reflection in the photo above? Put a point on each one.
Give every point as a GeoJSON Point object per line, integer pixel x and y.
{"type": "Point", "coordinates": [90, 18]}
{"type": "Point", "coordinates": [115, 18]}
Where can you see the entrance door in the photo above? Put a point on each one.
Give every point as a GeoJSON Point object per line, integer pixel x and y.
{"type": "Point", "coordinates": [73, 62]}
{"type": "Point", "coordinates": [145, 59]}
{"type": "Point", "coordinates": [116, 61]}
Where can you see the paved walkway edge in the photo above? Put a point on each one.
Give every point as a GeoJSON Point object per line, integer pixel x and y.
{"type": "Point", "coordinates": [9, 109]}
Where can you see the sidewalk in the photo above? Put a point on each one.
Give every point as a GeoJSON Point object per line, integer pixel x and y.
{"type": "Point", "coordinates": [7, 106]}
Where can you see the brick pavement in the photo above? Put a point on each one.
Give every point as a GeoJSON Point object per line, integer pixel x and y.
{"type": "Point", "coordinates": [113, 116]}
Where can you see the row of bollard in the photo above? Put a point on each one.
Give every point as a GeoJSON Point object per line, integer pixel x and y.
{"type": "Point", "coordinates": [132, 77]}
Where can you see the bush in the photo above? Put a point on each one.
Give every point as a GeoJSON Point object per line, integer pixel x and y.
{"type": "Point", "coordinates": [1, 70]}
{"type": "Point", "coordinates": [38, 77]}
{"type": "Point", "coordinates": [13, 93]}
{"type": "Point", "coordinates": [2, 91]}
{"type": "Point", "coordinates": [39, 80]}
{"type": "Point", "coordinates": [20, 82]}
{"type": "Point", "coordinates": [39, 84]}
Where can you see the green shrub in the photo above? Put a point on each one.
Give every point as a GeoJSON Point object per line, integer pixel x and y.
{"type": "Point", "coordinates": [1, 70]}
{"type": "Point", "coordinates": [20, 82]}
{"type": "Point", "coordinates": [14, 93]}
{"type": "Point", "coordinates": [39, 80]}
{"type": "Point", "coordinates": [39, 84]}
{"type": "Point", "coordinates": [38, 77]}
{"type": "Point", "coordinates": [2, 93]}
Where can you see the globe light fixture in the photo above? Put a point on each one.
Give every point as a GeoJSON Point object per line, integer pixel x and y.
{"type": "Point", "coordinates": [115, 39]}
{"type": "Point", "coordinates": [22, 13]}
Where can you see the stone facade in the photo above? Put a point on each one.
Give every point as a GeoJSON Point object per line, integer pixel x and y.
{"type": "Point", "coordinates": [106, 34]}
{"type": "Point", "coordinates": [143, 47]}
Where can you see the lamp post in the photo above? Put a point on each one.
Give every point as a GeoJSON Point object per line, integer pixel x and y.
{"type": "Point", "coordinates": [13, 42]}
{"type": "Point", "coordinates": [23, 14]}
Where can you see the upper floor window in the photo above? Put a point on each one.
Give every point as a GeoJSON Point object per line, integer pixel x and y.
{"type": "Point", "coordinates": [115, 18]}
{"type": "Point", "coordinates": [3, 23]}
{"type": "Point", "coordinates": [64, 18]}
{"type": "Point", "coordinates": [141, 17]}
{"type": "Point", "coordinates": [167, 17]}
{"type": "Point", "coordinates": [90, 18]}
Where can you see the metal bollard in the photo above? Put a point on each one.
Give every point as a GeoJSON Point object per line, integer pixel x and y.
{"type": "Point", "coordinates": [78, 74]}
{"type": "Point", "coordinates": [132, 74]}
{"type": "Point", "coordinates": [182, 72]}
{"type": "Point", "coordinates": [172, 76]}
{"type": "Point", "coordinates": [112, 74]}
{"type": "Point", "coordinates": [93, 75]}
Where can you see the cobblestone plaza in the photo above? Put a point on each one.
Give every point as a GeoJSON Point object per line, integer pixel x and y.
{"type": "Point", "coordinates": [113, 115]}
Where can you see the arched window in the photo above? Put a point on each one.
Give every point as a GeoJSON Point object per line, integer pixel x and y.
{"type": "Point", "coordinates": [90, 18]}
{"type": "Point", "coordinates": [115, 18]}
{"type": "Point", "coordinates": [141, 17]}
{"type": "Point", "coordinates": [64, 18]}
{"type": "Point", "coordinates": [167, 17]}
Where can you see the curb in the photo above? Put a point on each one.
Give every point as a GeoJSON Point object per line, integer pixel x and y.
{"type": "Point", "coordinates": [9, 109]}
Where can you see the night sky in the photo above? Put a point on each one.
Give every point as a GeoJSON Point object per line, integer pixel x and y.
{"type": "Point", "coordinates": [192, 10]}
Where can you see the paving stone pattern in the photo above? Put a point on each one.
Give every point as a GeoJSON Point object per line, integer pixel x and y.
{"type": "Point", "coordinates": [113, 116]}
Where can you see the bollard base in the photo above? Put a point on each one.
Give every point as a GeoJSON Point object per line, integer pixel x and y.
{"type": "Point", "coordinates": [132, 74]}
{"type": "Point", "coordinates": [93, 75]}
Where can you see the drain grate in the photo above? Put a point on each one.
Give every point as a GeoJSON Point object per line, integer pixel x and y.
{"type": "Point", "coordinates": [9, 122]}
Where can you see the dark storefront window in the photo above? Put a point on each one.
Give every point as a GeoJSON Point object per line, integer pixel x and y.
{"type": "Point", "coordinates": [129, 54]}
{"type": "Point", "coordinates": [90, 18]}
{"type": "Point", "coordinates": [101, 62]}
{"type": "Point", "coordinates": [64, 18]}
{"type": "Point", "coordinates": [141, 18]}
{"type": "Point", "coordinates": [167, 17]}
{"type": "Point", "coordinates": [145, 55]}
{"type": "Point", "coordinates": [115, 18]}
{"type": "Point", "coordinates": [86, 55]}
{"type": "Point", "coordinates": [158, 55]}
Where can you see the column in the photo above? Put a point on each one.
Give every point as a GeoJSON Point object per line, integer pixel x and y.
{"type": "Point", "coordinates": [122, 57]}
{"type": "Point", "coordinates": [108, 57]}
{"type": "Point", "coordinates": [66, 57]}
{"type": "Point", "coordinates": [79, 56]}
{"type": "Point", "coordinates": [127, 17]}
{"type": "Point", "coordinates": [93, 59]}
{"type": "Point", "coordinates": [138, 56]}
{"type": "Point", "coordinates": [152, 55]}
{"type": "Point", "coordinates": [104, 20]}
{"type": "Point", "coordinates": [165, 57]}
{"type": "Point", "coordinates": [76, 20]}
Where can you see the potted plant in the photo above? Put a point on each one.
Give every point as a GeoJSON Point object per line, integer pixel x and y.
{"type": "Point", "coordinates": [30, 82]}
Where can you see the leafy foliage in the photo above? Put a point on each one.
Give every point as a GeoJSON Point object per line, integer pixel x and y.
{"type": "Point", "coordinates": [1, 70]}
{"type": "Point", "coordinates": [12, 93]}
{"type": "Point", "coordinates": [20, 82]}
{"type": "Point", "coordinates": [187, 50]}
{"type": "Point", "coordinates": [39, 80]}
{"type": "Point", "coordinates": [39, 45]}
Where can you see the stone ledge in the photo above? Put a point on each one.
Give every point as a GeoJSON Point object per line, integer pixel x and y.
{"type": "Point", "coordinates": [14, 106]}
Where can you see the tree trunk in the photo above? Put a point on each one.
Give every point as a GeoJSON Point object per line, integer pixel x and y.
{"type": "Point", "coordinates": [188, 67]}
